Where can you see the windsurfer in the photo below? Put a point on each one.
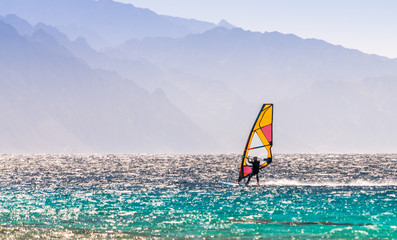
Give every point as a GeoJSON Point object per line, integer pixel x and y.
{"type": "Point", "coordinates": [255, 170]}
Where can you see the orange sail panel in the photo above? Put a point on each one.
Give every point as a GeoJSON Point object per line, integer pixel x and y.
{"type": "Point", "coordinates": [260, 141]}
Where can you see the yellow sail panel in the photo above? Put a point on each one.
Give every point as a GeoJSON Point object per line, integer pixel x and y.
{"type": "Point", "coordinates": [259, 141]}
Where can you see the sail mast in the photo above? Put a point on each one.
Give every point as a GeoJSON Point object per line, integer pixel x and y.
{"type": "Point", "coordinates": [241, 176]}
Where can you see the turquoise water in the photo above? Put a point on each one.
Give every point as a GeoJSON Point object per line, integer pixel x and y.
{"type": "Point", "coordinates": [179, 197]}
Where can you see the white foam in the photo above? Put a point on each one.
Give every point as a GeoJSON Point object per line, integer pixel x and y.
{"type": "Point", "coordinates": [363, 183]}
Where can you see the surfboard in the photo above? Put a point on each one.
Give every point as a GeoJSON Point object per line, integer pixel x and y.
{"type": "Point", "coordinates": [232, 184]}
{"type": "Point", "coordinates": [241, 184]}
{"type": "Point", "coordinates": [251, 184]}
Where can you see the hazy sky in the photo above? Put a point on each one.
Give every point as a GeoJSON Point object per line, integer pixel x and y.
{"type": "Point", "coordinates": [367, 25]}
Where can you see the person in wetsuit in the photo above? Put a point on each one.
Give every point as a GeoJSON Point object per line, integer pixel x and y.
{"type": "Point", "coordinates": [255, 170]}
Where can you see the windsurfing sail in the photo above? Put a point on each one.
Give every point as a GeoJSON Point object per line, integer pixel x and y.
{"type": "Point", "coordinates": [260, 141]}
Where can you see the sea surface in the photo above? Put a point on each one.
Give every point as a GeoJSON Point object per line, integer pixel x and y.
{"type": "Point", "coordinates": [180, 197]}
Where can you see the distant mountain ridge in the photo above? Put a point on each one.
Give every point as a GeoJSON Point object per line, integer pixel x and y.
{"type": "Point", "coordinates": [52, 102]}
{"type": "Point", "coordinates": [225, 24]}
{"type": "Point", "coordinates": [221, 52]}
{"type": "Point", "coordinates": [102, 22]}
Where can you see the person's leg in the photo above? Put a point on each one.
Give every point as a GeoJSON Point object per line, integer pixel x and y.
{"type": "Point", "coordinates": [257, 179]}
{"type": "Point", "coordinates": [249, 178]}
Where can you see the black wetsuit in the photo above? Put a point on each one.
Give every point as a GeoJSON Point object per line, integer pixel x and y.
{"type": "Point", "coordinates": [255, 171]}
{"type": "Point", "coordinates": [255, 167]}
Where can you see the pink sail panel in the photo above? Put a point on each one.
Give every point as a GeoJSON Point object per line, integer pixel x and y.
{"type": "Point", "coordinates": [267, 131]}
{"type": "Point", "coordinates": [247, 170]}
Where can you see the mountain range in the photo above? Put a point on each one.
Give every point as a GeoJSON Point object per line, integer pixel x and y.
{"type": "Point", "coordinates": [103, 23]}
{"type": "Point", "coordinates": [53, 102]}
{"type": "Point", "coordinates": [180, 85]}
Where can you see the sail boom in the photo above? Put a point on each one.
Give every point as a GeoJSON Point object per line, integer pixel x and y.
{"type": "Point", "coordinates": [256, 147]}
